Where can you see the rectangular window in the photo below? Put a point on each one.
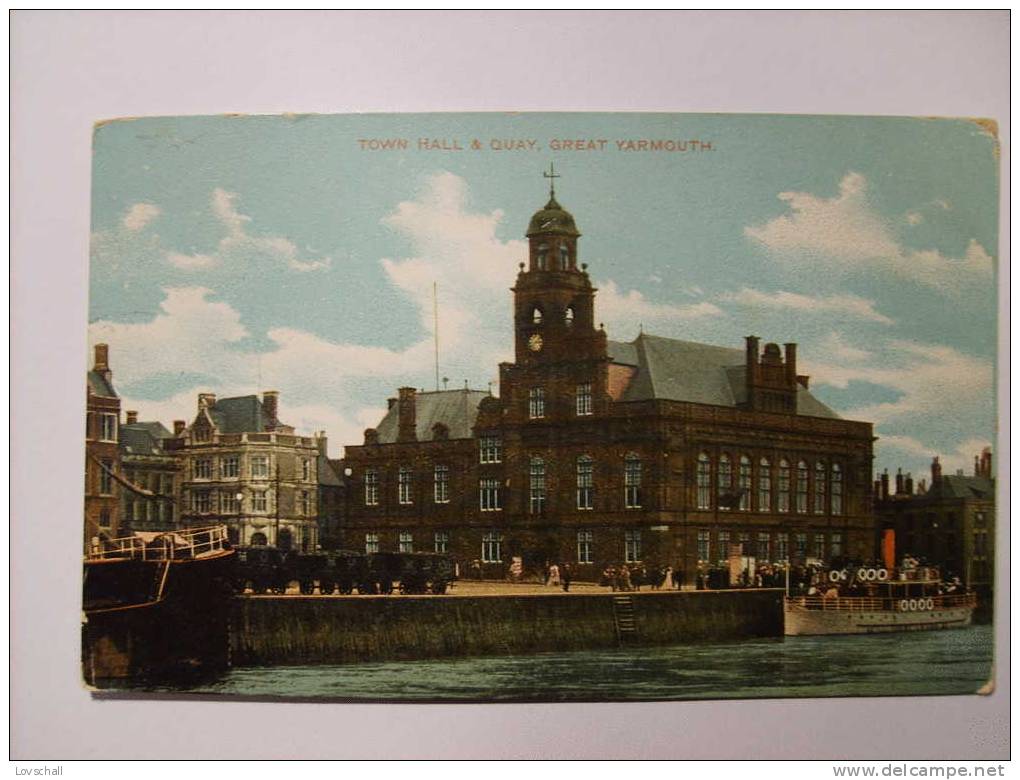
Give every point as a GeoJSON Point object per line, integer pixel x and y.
{"type": "Point", "coordinates": [802, 487]}
{"type": "Point", "coordinates": [306, 503]}
{"type": "Point", "coordinates": [203, 502]}
{"type": "Point", "coordinates": [704, 546]}
{"type": "Point", "coordinates": [820, 546]}
{"type": "Point", "coordinates": [836, 490]}
{"type": "Point", "coordinates": [441, 484]}
{"type": "Point", "coordinates": [800, 542]}
{"type": "Point", "coordinates": [260, 466]}
{"type": "Point", "coordinates": [229, 504]}
{"type": "Point", "coordinates": [203, 468]}
{"type": "Point", "coordinates": [536, 403]}
{"type": "Point", "coordinates": [782, 547]}
{"type": "Point", "coordinates": [724, 546]}
{"type": "Point", "coordinates": [371, 487]}
{"type": "Point", "coordinates": [632, 546]}
{"type": "Point", "coordinates": [489, 495]}
{"type": "Point", "coordinates": [704, 479]}
{"type": "Point", "coordinates": [783, 504]}
{"type": "Point", "coordinates": [492, 547]}
{"type": "Point", "coordinates": [406, 541]}
{"type": "Point", "coordinates": [981, 544]}
{"type": "Point", "coordinates": [583, 399]}
{"type": "Point", "coordinates": [108, 427]}
{"type": "Point", "coordinates": [371, 543]}
{"type": "Point", "coordinates": [104, 518]}
{"type": "Point", "coordinates": [836, 545]}
{"type": "Point", "coordinates": [229, 467]}
{"type": "Point", "coordinates": [632, 483]}
{"type": "Point", "coordinates": [105, 478]}
{"type": "Point", "coordinates": [585, 483]}
{"type": "Point", "coordinates": [761, 552]}
{"type": "Point", "coordinates": [490, 449]}
{"type": "Point", "coordinates": [585, 543]}
{"type": "Point", "coordinates": [537, 486]}
{"type": "Point", "coordinates": [405, 485]}
{"type": "Point", "coordinates": [745, 544]}
{"type": "Point", "coordinates": [441, 541]}
{"type": "Point", "coordinates": [258, 501]}
{"type": "Point", "coordinates": [306, 470]}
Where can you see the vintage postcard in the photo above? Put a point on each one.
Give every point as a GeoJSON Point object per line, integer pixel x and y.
{"type": "Point", "coordinates": [550, 407]}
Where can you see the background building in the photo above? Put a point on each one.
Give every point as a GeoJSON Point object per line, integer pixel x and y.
{"type": "Point", "coordinates": [149, 492]}
{"type": "Point", "coordinates": [950, 522]}
{"type": "Point", "coordinates": [102, 454]}
{"type": "Point", "coordinates": [657, 451]}
{"type": "Point", "coordinates": [240, 465]}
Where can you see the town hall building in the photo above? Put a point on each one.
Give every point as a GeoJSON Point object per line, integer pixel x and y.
{"type": "Point", "coordinates": [595, 452]}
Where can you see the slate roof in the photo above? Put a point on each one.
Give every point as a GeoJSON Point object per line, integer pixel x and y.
{"type": "Point", "coordinates": [675, 370]}
{"type": "Point", "coordinates": [100, 385]}
{"type": "Point", "coordinates": [327, 472]}
{"type": "Point", "coordinates": [243, 414]}
{"type": "Point", "coordinates": [958, 486]}
{"type": "Point", "coordinates": [143, 438]}
{"type": "Point", "coordinates": [456, 409]}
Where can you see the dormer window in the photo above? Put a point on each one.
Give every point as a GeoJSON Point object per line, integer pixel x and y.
{"type": "Point", "coordinates": [564, 257]}
{"type": "Point", "coordinates": [568, 316]}
{"type": "Point", "coordinates": [540, 258]}
{"type": "Point", "coordinates": [536, 316]}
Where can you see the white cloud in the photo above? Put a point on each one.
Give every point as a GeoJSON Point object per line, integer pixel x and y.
{"type": "Point", "coordinates": [623, 312]}
{"type": "Point", "coordinates": [140, 215]}
{"type": "Point", "coordinates": [834, 346]}
{"type": "Point", "coordinates": [914, 218]}
{"type": "Point", "coordinates": [239, 245]}
{"type": "Point", "coordinates": [846, 232]}
{"type": "Point", "coordinates": [846, 305]}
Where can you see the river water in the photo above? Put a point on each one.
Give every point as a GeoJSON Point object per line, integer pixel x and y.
{"type": "Point", "coordinates": [932, 662]}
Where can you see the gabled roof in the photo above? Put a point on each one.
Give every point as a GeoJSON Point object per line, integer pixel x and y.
{"type": "Point", "coordinates": [676, 370]}
{"type": "Point", "coordinates": [327, 472]}
{"type": "Point", "coordinates": [243, 414]}
{"type": "Point", "coordinates": [143, 438]}
{"type": "Point", "coordinates": [100, 385]}
{"type": "Point", "coordinates": [959, 486]}
{"type": "Point", "coordinates": [456, 409]}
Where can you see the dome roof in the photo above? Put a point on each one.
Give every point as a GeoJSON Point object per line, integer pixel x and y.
{"type": "Point", "coordinates": [553, 219]}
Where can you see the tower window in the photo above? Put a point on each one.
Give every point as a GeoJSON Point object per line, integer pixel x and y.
{"type": "Point", "coordinates": [564, 257]}
{"type": "Point", "coordinates": [540, 258]}
{"type": "Point", "coordinates": [583, 398]}
{"type": "Point", "coordinates": [536, 315]}
{"type": "Point", "coordinates": [536, 403]}
{"type": "Point", "coordinates": [568, 316]}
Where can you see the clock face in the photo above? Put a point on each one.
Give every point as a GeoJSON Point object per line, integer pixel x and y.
{"type": "Point", "coordinates": [535, 343]}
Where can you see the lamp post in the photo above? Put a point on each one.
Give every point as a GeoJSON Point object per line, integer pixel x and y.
{"type": "Point", "coordinates": [240, 516]}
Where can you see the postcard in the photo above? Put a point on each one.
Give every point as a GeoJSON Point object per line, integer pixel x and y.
{"type": "Point", "coordinates": [541, 407]}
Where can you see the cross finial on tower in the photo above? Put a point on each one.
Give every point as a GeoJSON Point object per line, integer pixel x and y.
{"type": "Point", "coordinates": [551, 175]}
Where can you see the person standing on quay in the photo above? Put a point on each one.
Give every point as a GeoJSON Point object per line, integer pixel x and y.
{"type": "Point", "coordinates": [565, 577]}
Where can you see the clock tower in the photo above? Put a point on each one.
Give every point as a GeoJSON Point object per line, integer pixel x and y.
{"type": "Point", "coordinates": [558, 349]}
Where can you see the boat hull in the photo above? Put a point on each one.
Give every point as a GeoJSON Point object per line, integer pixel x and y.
{"type": "Point", "coordinates": [805, 621]}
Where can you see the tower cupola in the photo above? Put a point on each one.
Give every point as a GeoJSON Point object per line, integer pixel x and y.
{"type": "Point", "coordinates": [552, 234]}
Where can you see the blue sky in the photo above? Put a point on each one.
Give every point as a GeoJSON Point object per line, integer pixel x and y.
{"type": "Point", "coordinates": [233, 254]}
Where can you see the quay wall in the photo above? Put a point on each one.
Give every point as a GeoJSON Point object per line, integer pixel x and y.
{"type": "Point", "coordinates": [285, 630]}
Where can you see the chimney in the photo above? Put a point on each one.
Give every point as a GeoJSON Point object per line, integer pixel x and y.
{"type": "Point", "coordinates": [908, 484]}
{"type": "Point", "coordinates": [936, 471]}
{"type": "Point", "coordinates": [977, 467]}
{"type": "Point", "coordinates": [321, 441]}
{"type": "Point", "coordinates": [406, 409]}
{"type": "Point", "coordinates": [179, 426]}
{"type": "Point", "coordinates": [132, 417]}
{"type": "Point", "coordinates": [899, 482]}
{"type": "Point", "coordinates": [102, 361]}
{"type": "Point", "coordinates": [986, 462]}
{"type": "Point", "coordinates": [791, 364]}
{"type": "Point", "coordinates": [390, 402]}
{"type": "Point", "coordinates": [885, 484]}
{"type": "Point", "coordinates": [270, 404]}
{"type": "Point", "coordinates": [206, 400]}
{"type": "Point", "coordinates": [922, 487]}
{"type": "Point", "coordinates": [750, 369]}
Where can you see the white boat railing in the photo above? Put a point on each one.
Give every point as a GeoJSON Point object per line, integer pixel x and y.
{"type": "Point", "coordinates": [881, 604]}
{"type": "Point", "coordinates": [170, 545]}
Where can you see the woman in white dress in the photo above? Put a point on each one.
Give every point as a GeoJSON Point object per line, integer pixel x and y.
{"type": "Point", "coordinates": [667, 582]}
{"type": "Point", "coordinates": [554, 575]}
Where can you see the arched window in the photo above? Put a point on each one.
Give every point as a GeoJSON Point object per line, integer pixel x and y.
{"type": "Point", "coordinates": [540, 258]}
{"type": "Point", "coordinates": [802, 487]}
{"type": "Point", "coordinates": [820, 488]}
{"type": "Point", "coordinates": [536, 315]}
{"type": "Point", "coordinates": [764, 485]}
{"type": "Point", "coordinates": [704, 481]}
{"type": "Point", "coordinates": [744, 483]}
{"type": "Point", "coordinates": [585, 483]}
{"type": "Point", "coordinates": [836, 490]}
{"type": "Point", "coordinates": [258, 539]}
{"type": "Point", "coordinates": [724, 482]}
{"type": "Point", "coordinates": [537, 486]}
{"type": "Point", "coordinates": [784, 486]}
{"type": "Point", "coordinates": [564, 257]}
{"type": "Point", "coordinates": [632, 481]}
{"type": "Point", "coordinates": [568, 316]}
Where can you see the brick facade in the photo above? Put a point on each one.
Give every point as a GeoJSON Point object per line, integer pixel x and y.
{"type": "Point", "coordinates": [102, 454]}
